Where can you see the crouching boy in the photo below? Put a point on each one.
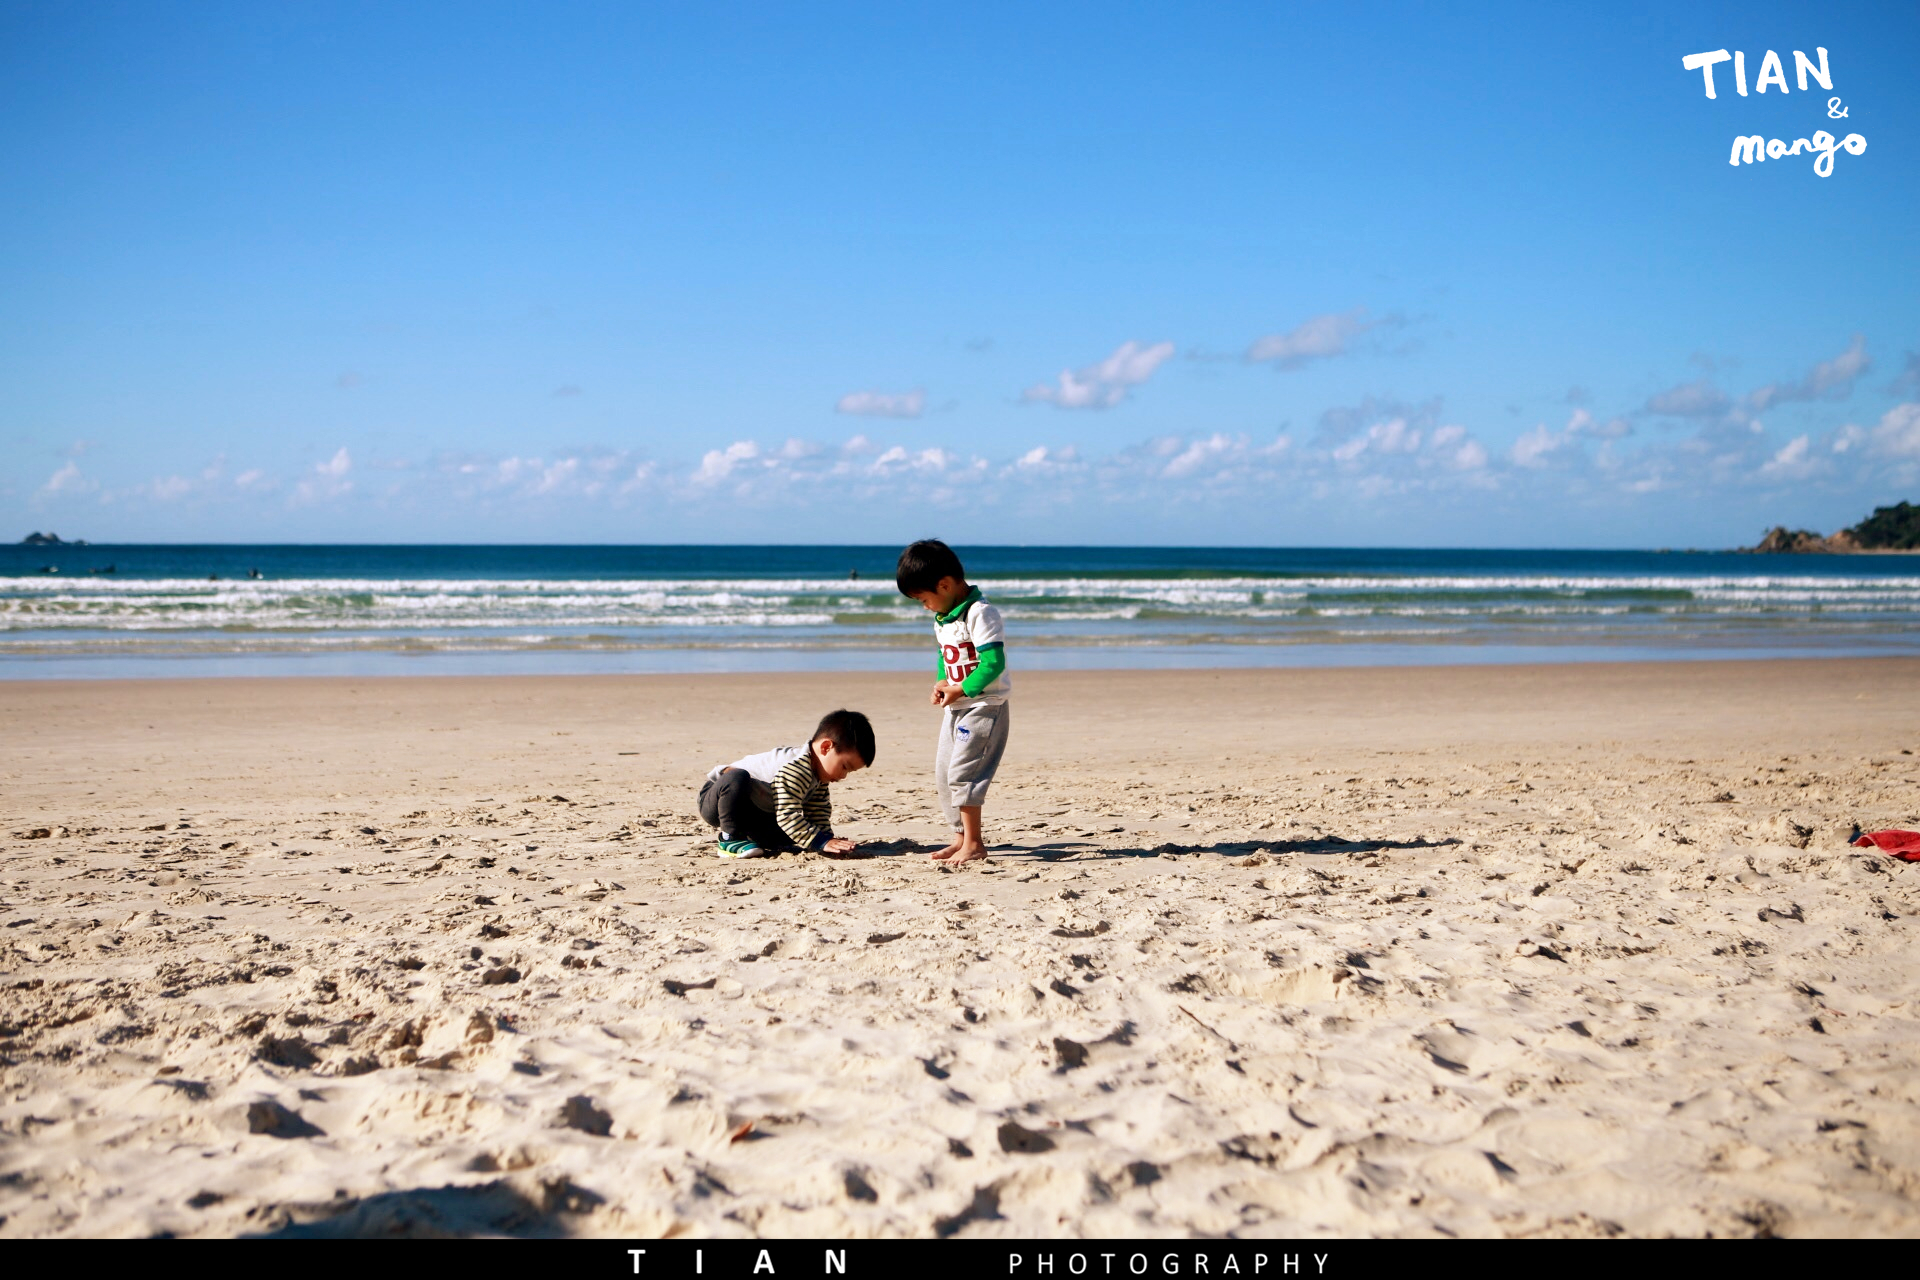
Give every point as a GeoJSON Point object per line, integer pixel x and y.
{"type": "Point", "coordinates": [777, 801]}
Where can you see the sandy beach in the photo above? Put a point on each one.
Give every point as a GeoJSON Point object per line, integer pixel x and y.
{"type": "Point", "coordinates": [1503, 951]}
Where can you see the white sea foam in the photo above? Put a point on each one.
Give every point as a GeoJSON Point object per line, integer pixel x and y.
{"type": "Point", "coordinates": [39, 614]}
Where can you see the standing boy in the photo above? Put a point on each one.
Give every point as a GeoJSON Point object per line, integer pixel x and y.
{"type": "Point", "coordinates": [972, 688]}
{"type": "Point", "coordinates": [777, 800]}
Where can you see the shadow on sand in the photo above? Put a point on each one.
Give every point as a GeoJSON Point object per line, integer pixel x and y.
{"type": "Point", "coordinates": [1060, 850]}
{"type": "Point", "coordinates": [495, 1208]}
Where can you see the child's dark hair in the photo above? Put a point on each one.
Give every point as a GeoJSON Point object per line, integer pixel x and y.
{"type": "Point", "coordinates": [847, 731]}
{"type": "Point", "coordinates": [923, 564]}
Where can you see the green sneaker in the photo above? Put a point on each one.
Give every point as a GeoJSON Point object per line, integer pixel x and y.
{"type": "Point", "coordinates": [739, 849]}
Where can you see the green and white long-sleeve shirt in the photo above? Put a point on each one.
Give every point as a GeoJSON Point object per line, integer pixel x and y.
{"type": "Point", "coordinates": [785, 785]}
{"type": "Point", "coordinates": [973, 649]}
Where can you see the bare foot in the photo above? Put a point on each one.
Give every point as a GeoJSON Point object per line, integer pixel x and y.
{"type": "Point", "coordinates": [966, 851]}
{"type": "Point", "coordinates": [943, 854]}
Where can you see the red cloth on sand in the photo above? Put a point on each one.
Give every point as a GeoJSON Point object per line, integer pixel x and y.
{"type": "Point", "coordinates": [1904, 845]}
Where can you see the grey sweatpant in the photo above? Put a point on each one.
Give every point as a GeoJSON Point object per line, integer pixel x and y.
{"type": "Point", "coordinates": [972, 740]}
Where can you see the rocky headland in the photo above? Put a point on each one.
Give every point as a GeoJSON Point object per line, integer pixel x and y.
{"type": "Point", "coordinates": [1895, 528]}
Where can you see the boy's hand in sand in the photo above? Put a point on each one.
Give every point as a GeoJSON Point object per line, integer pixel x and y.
{"type": "Point", "coordinates": [839, 846]}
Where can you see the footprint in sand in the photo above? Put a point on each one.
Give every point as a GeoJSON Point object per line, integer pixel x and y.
{"type": "Point", "coordinates": [276, 1121]}
{"type": "Point", "coordinates": [1015, 1139]}
{"type": "Point", "coordinates": [579, 1112]}
{"type": "Point", "coordinates": [1451, 1050]}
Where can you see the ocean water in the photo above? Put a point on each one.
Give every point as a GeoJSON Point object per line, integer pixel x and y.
{"type": "Point", "coordinates": [198, 610]}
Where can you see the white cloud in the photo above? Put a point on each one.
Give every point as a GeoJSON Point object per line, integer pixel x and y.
{"type": "Point", "coordinates": [1791, 461]}
{"type": "Point", "coordinates": [1699, 399]}
{"type": "Point", "coordinates": [587, 474]}
{"type": "Point", "coordinates": [1041, 461]}
{"type": "Point", "coordinates": [1830, 379]}
{"type": "Point", "coordinates": [881, 404]}
{"type": "Point", "coordinates": [717, 464]}
{"type": "Point", "coordinates": [1314, 339]}
{"type": "Point", "coordinates": [1106, 384]}
{"type": "Point", "coordinates": [1377, 450]}
{"type": "Point", "coordinates": [1535, 447]}
{"type": "Point", "coordinates": [211, 483]}
{"type": "Point", "coordinates": [174, 488]}
{"type": "Point", "coordinates": [67, 479]}
{"type": "Point", "coordinates": [1471, 456]}
{"type": "Point", "coordinates": [1839, 372]}
{"type": "Point", "coordinates": [1389, 437]}
{"type": "Point", "coordinates": [1163, 468]}
{"type": "Point", "coordinates": [1582, 423]}
{"type": "Point", "coordinates": [930, 461]}
{"type": "Point", "coordinates": [1897, 435]}
{"type": "Point", "coordinates": [1458, 449]}
{"type": "Point", "coordinates": [1396, 454]}
{"type": "Point", "coordinates": [1220, 464]}
{"type": "Point", "coordinates": [1827, 380]}
{"type": "Point", "coordinates": [1543, 446]}
{"type": "Point", "coordinates": [1198, 455]}
{"type": "Point", "coordinates": [1909, 376]}
{"type": "Point", "coordinates": [328, 480]}
{"type": "Point", "coordinates": [1341, 421]}
{"type": "Point", "coordinates": [557, 475]}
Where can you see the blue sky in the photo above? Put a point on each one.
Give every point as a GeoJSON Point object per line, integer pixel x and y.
{"type": "Point", "coordinates": [1241, 273]}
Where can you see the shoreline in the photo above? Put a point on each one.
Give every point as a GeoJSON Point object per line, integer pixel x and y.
{"type": "Point", "coordinates": [1561, 950]}
{"type": "Point", "coordinates": [1118, 658]}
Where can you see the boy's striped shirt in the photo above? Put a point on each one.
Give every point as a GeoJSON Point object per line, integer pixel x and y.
{"type": "Point", "coordinates": [785, 785]}
{"type": "Point", "coordinates": [801, 804]}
